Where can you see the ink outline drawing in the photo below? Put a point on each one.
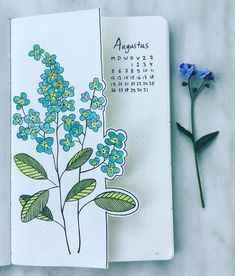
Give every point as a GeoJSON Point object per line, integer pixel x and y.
{"type": "Point", "coordinates": [56, 96]}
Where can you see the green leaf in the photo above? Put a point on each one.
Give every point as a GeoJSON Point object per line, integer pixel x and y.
{"type": "Point", "coordinates": [30, 167]}
{"type": "Point", "coordinates": [79, 159]}
{"type": "Point", "coordinates": [205, 140]}
{"type": "Point", "coordinates": [185, 131]}
{"type": "Point", "coordinates": [34, 205]}
{"type": "Point", "coordinates": [45, 215]}
{"type": "Point", "coordinates": [115, 201]}
{"type": "Point", "coordinates": [81, 189]}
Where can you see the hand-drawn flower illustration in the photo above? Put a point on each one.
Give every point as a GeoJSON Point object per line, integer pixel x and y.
{"type": "Point", "coordinates": [43, 87]}
{"type": "Point", "coordinates": [49, 60]}
{"type": "Point", "coordinates": [68, 92]}
{"type": "Point", "coordinates": [110, 169]}
{"type": "Point", "coordinates": [33, 117]}
{"type": "Point", "coordinates": [67, 143]}
{"type": "Point", "coordinates": [85, 97]}
{"type": "Point", "coordinates": [68, 105]}
{"type": "Point", "coordinates": [94, 162]}
{"type": "Point", "coordinates": [17, 119]}
{"type": "Point", "coordinates": [102, 151]}
{"type": "Point", "coordinates": [95, 124]}
{"type": "Point", "coordinates": [55, 132]}
{"type": "Point", "coordinates": [32, 130]}
{"type": "Point", "coordinates": [76, 129]}
{"type": "Point", "coordinates": [50, 117]}
{"type": "Point", "coordinates": [44, 144]}
{"type": "Point", "coordinates": [36, 52]}
{"type": "Point", "coordinates": [21, 101]}
{"type": "Point", "coordinates": [85, 114]}
{"type": "Point", "coordinates": [68, 121]}
{"type": "Point", "coordinates": [22, 134]}
{"type": "Point", "coordinates": [115, 139]}
{"type": "Point", "coordinates": [96, 85]}
{"type": "Point", "coordinates": [116, 156]}
{"type": "Point", "coordinates": [98, 102]}
{"type": "Point", "coordinates": [46, 128]}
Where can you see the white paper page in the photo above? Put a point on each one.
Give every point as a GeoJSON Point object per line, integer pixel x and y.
{"type": "Point", "coordinates": [5, 225]}
{"type": "Point", "coordinates": [143, 111]}
{"type": "Point", "coordinates": [75, 39]}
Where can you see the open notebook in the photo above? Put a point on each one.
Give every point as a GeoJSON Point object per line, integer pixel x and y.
{"type": "Point", "coordinates": [90, 176]}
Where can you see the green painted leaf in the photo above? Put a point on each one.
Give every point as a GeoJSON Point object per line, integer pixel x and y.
{"type": "Point", "coordinates": [29, 166]}
{"type": "Point", "coordinates": [185, 131]}
{"type": "Point", "coordinates": [34, 205]}
{"type": "Point", "coordinates": [81, 189]}
{"type": "Point", "coordinates": [46, 213]}
{"type": "Point", "coordinates": [205, 140]}
{"type": "Point", "coordinates": [115, 201]}
{"type": "Point", "coordinates": [79, 159]}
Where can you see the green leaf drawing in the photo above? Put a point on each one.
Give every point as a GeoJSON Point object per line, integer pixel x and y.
{"type": "Point", "coordinates": [185, 131]}
{"type": "Point", "coordinates": [34, 205]}
{"type": "Point", "coordinates": [45, 215]}
{"type": "Point", "coordinates": [79, 159]}
{"type": "Point", "coordinates": [205, 140]}
{"type": "Point", "coordinates": [115, 201]}
{"type": "Point", "coordinates": [81, 189]}
{"type": "Point", "coordinates": [30, 167]}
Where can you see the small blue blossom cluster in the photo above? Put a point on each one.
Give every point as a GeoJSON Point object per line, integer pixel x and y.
{"type": "Point", "coordinates": [89, 115]}
{"type": "Point", "coordinates": [56, 97]}
{"type": "Point", "coordinates": [110, 156]}
{"type": "Point", "coordinates": [188, 70]}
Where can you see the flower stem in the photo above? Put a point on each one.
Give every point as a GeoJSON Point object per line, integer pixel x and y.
{"type": "Point", "coordinates": [79, 230]}
{"type": "Point", "coordinates": [56, 163]}
{"type": "Point", "coordinates": [195, 152]}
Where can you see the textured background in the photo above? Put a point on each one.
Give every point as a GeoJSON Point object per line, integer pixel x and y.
{"type": "Point", "coordinates": [201, 32]}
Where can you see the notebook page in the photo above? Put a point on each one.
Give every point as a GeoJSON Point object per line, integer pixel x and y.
{"type": "Point", "coordinates": [38, 236]}
{"type": "Point", "coordinates": [136, 59]}
{"type": "Point", "coordinates": [5, 225]}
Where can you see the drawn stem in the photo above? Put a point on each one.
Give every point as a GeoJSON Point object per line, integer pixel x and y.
{"type": "Point", "coordinates": [195, 152]}
{"type": "Point", "coordinates": [78, 218]}
{"type": "Point", "coordinates": [56, 163]}
{"type": "Point", "coordinates": [93, 168]}
{"type": "Point", "coordinates": [79, 174]}
{"type": "Point", "coordinates": [79, 230]}
{"type": "Point", "coordinates": [85, 205]}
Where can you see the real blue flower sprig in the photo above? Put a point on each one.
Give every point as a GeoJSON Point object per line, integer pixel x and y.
{"type": "Point", "coordinates": [196, 80]}
{"type": "Point", "coordinates": [110, 156]}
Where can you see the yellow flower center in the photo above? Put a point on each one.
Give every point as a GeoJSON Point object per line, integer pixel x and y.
{"type": "Point", "coordinates": [103, 151]}
{"type": "Point", "coordinates": [45, 145]}
{"type": "Point", "coordinates": [114, 140]}
{"type": "Point", "coordinates": [67, 142]}
{"type": "Point", "coordinates": [32, 130]}
{"type": "Point", "coordinates": [66, 92]}
{"type": "Point", "coordinates": [94, 124]}
{"type": "Point", "coordinates": [21, 101]}
{"type": "Point", "coordinates": [44, 87]}
{"type": "Point", "coordinates": [36, 52]}
{"type": "Point", "coordinates": [59, 84]}
{"type": "Point", "coordinates": [68, 121]}
{"type": "Point", "coordinates": [52, 76]}
{"type": "Point", "coordinates": [52, 96]}
{"type": "Point", "coordinates": [116, 156]}
{"type": "Point", "coordinates": [110, 169]}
